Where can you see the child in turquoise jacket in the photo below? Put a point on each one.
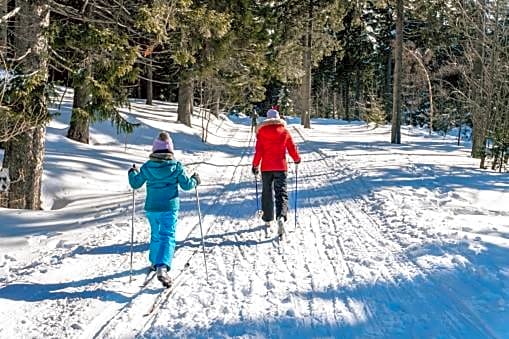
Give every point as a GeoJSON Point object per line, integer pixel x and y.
{"type": "Point", "coordinates": [163, 175]}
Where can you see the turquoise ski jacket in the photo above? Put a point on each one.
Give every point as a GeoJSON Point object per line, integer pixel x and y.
{"type": "Point", "coordinates": [163, 176]}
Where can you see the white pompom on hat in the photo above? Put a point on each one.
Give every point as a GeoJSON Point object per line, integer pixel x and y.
{"type": "Point", "coordinates": [272, 114]}
{"type": "Point", "coordinates": [162, 143]}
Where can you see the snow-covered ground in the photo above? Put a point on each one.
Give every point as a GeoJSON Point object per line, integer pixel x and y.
{"type": "Point", "coordinates": [406, 241]}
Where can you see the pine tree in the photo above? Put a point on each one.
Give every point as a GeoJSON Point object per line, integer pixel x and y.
{"type": "Point", "coordinates": [189, 31]}
{"type": "Point", "coordinates": [27, 98]}
{"type": "Point", "coordinates": [99, 60]}
{"type": "Point", "coordinates": [303, 31]}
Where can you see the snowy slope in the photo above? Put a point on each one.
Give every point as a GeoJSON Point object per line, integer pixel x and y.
{"type": "Point", "coordinates": [391, 241]}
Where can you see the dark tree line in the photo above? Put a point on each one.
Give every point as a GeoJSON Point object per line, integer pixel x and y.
{"type": "Point", "coordinates": [439, 63]}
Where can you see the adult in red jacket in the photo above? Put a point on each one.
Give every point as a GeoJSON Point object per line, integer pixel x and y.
{"type": "Point", "coordinates": [272, 142]}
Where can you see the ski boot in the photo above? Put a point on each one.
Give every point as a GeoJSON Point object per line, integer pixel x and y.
{"type": "Point", "coordinates": [268, 228]}
{"type": "Point", "coordinates": [162, 275]}
{"type": "Point", "coordinates": [281, 228]}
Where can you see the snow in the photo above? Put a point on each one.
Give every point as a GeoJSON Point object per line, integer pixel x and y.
{"type": "Point", "coordinates": [391, 241]}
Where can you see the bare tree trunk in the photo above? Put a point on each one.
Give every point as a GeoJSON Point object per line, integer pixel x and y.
{"type": "Point", "coordinates": [327, 95]}
{"type": "Point", "coordinates": [3, 38]}
{"type": "Point", "coordinates": [150, 75]}
{"type": "Point", "coordinates": [185, 101]}
{"type": "Point", "coordinates": [341, 106]}
{"type": "Point", "coordinates": [80, 118]}
{"type": "Point", "coordinates": [459, 132]}
{"type": "Point", "coordinates": [388, 86]}
{"type": "Point", "coordinates": [357, 93]}
{"type": "Point", "coordinates": [396, 93]}
{"type": "Point", "coordinates": [346, 96]}
{"type": "Point", "coordinates": [305, 119]}
{"type": "Point", "coordinates": [202, 114]}
{"type": "Point", "coordinates": [334, 92]}
{"type": "Point", "coordinates": [138, 89]}
{"type": "Point", "coordinates": [216, 103]}
{"type": "Point", "coordinates": [24, 158]}
{"type": "Point", "coordinates": [205, 111]}
{"type": "Point", "coordinates": [479, 114]}
{"type": "Point", "coordinates": [334, 104]}
{"type": "Point", "coordinates": [24, 154]}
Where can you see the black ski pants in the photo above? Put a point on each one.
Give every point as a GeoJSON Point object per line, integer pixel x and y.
{"type": "Point", "coordinates": [274, 181]}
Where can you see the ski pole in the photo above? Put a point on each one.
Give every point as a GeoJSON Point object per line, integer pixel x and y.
{"type": "Point", "coordinates": [296, 174]}
{"type": "Point", "coordinates": [259, 213]}
{"type": "Point", "coordinates": [257, 202]}
{"type": "Point", "coordinates": [132, 240]}
{"type": "Point", "coordinates": [201, 232]}
{"type": "Point", "coordinates": [256, 184]}
{"type": "Point", "coordinates": [132, 236]}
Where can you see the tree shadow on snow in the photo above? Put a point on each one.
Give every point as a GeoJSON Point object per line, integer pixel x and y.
{"type": "Point", "coordinates": [111, 249]}
{"type": "Point", "coordinates": [228, 239]}
{"type": "Point", "coordinates": [345, 185]}
{"type": "Point", "coordinates": [33, 292]}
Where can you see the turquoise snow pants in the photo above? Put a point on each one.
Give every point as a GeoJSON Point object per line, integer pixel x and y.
{"type": "Point", "coordinates": [162, 237]}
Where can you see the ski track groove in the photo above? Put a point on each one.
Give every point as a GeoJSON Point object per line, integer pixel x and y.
{"type": "Point", "coordinates": [222, 196]}
{"type": "Point", "coordinates": [218, 206]}
{"type": "Point", "coordinates": [286, 268]}
{"type": "Point", "coordinates": [50, 259]}
{"type": "Point", "coordinates": [469, 316]}
{"type": "Point", "coordinates": [239, 238]}
{"type": "Point", "coordinates": [323, 213]}
{"type": "Point", "coordinates": [116, 320]}
{"type": "Point", "coordinates": [245, 258]}
{"type": "Point", "coordinates": [398, 259]}
{"type": "Point", "coordinates": [366, 240]}
{"type": "Point", "coordinates": [362, 228]}
{"type": "Point", "coordinates": [357, 236]}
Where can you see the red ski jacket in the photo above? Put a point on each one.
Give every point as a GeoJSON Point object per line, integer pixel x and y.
{"type": "Point", "coordinates": [272, 142]}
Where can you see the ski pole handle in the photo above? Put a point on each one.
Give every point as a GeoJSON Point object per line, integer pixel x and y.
{"type": "Point", "coordinates": [133, 169]}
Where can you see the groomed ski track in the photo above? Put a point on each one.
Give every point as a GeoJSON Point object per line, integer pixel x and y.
{"type": "Point", "coordinates": [340, 273]}
{"type": "Point", "coordinates": [377, 252]}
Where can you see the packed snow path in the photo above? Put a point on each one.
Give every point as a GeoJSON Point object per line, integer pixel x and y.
{"type": "Point", "coordinates": [381, 250]}
{"type": "Point", "coordinates": [341, 273]}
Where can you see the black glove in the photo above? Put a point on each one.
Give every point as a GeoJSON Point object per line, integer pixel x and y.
{"type": "Point", "coordinates": [297, 162]}
{"type": "Point", "coordinates": [133, 169]}
{"type": "Point", "coordinates": [196, 177]}
{"type": "Point", "coordinates": [255, 170]}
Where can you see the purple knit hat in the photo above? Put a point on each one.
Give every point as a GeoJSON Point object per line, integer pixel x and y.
{"type": "Point", "coordinates": [162, 142]}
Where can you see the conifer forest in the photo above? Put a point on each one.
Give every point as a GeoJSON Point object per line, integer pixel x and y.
{"type": "Point", "coordinates": [437, 64]}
